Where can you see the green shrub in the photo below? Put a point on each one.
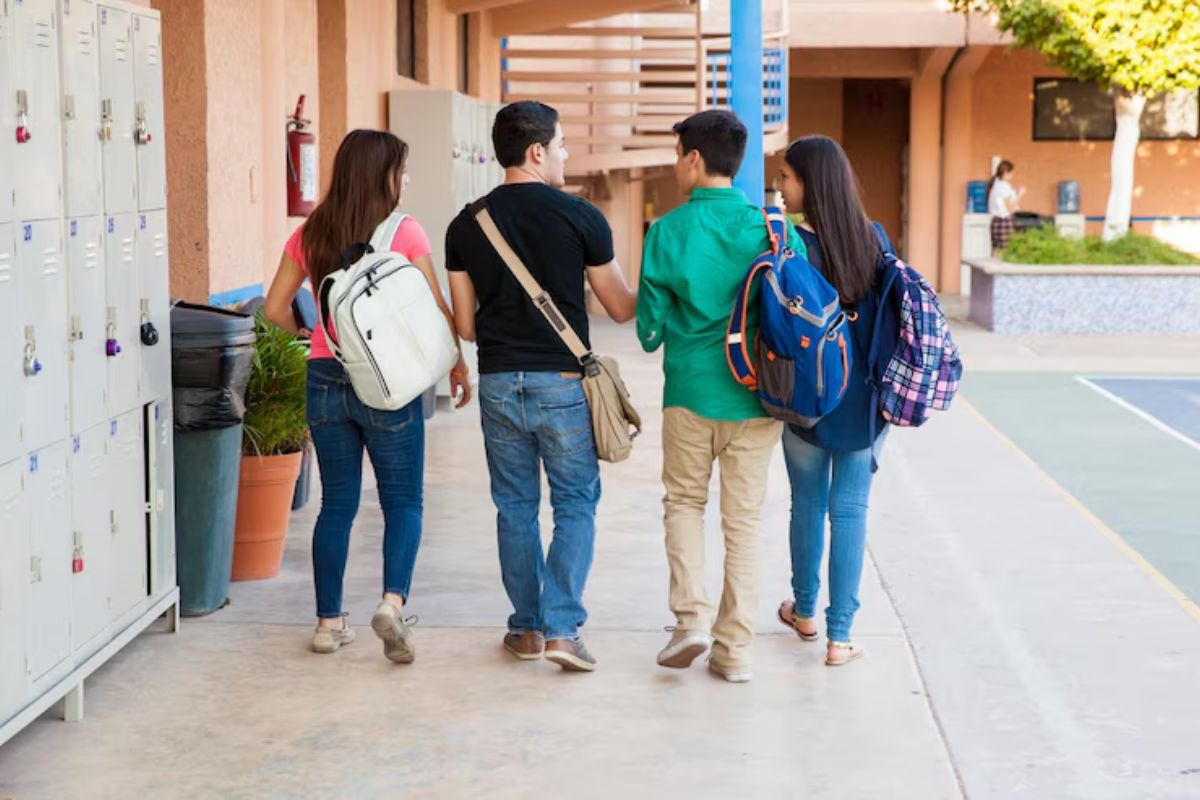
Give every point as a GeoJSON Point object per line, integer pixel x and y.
{"type": "Point", "coordinates": [276, 422]}
{"type": "Point", "coordinates": [1045, 246]}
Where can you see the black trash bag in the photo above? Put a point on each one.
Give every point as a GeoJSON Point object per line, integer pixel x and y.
{"type": "Point", "coordinates": [212, 353]}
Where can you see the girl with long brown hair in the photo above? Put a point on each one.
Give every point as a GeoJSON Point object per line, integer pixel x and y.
{"type": "Point", "coordinates": [830, 465]}
{"type": "Point", "coordinates": [367, 185]}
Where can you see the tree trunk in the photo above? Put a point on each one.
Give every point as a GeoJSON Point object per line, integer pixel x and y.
{"type": "Point", "coordinates": [1128, 107]}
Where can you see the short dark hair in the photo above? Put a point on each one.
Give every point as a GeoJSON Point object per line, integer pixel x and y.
{"type": "Point", "coordinates": [719, 136]}
{"type": "Point", "coordinates": [519, 125]}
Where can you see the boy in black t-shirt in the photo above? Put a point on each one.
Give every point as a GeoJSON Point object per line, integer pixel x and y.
{"type": "Point", "coordinates": [530, 390]}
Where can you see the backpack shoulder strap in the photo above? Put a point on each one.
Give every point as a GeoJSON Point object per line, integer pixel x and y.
{"type": "Point", "coordinates": [381, 240]}
{"type": "Point", "coordinates": [777, 228]}
{"type": "Point", "coordinates": [323, 304]}
{"type": "Point", "coordinates": [737, 349]}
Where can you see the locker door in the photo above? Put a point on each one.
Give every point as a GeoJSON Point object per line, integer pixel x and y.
{"type": "Point", "coordinates": [8, 115]}
{"type": "Point", "coordinates": [12, 341]}
{"type": "Point", "coordinates": [122, 335]}
{"type": "Point", "coordinates": [49, 622]}
{"type": "Point", "coordinates": [154, 305]}
{"type": "Point", "coordinates": [160, 500]}
{"type": "Point", "coordinates": [148, 113]}
{"type": "Point", "coordinates": [117, 111]}
{"type": "Point", "coordinates": [88, 305]}
{"type": "Point", "coordinates": [90, 536]}
{"type": "Point", "coordinates": [14, 587]}
{"type": "Point", "coordinates": [127, 513]}
{"type": "Point", "coordinates": [43, 313]}
{"type": "Point", "coordinates": [81, 108]}
{"type": "Point", "coordinates": [37, 178]}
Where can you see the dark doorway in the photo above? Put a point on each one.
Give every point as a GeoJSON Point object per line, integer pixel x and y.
{"type": "Point", "coordinates": [875, 123]}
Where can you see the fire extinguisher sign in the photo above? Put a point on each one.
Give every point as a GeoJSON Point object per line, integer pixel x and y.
{"type": "Point", "coordinates": [308, 172]}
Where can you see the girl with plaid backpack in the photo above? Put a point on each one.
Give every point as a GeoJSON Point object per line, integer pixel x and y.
{"type": "Point", "coordinates": [831, 465]}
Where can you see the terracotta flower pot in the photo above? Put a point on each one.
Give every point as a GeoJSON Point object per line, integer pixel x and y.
{"type": "Point", "coordinates": [264, 503]}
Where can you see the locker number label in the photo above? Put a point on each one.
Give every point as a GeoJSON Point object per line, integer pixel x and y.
{"type": "Point", "coordinates": [104, 16]}
{"type": "Point", "coordinates": [33, 463]}
{"type": "Point", "coordinates": [74, 229]}
{"type": "Point", "coordinates": [27, 233]}
{"type": "Point", "coordinates": [137, 23]}
{"type": "Point", "coordinates": [112, 224]}
{"type": "Point", "coordinates": [75, 444]}
{"type": "Point", "coordinates": [112, 428]}
{"type": "Point", "coordinates": [143, 221]}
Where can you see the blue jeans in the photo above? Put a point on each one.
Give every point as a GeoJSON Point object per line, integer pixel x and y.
{"type": "Point", "coordinates": [395, 440]}
{"type": "Point", "coordinates": [842, 496]}
{"type": "Point", "coordinates": [534, 419]}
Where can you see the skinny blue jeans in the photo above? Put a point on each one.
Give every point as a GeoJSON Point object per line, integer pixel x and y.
{"type": "Point", "coordinates": [837, 486]}
{"type": "Point", "coordinates": [395, 440]}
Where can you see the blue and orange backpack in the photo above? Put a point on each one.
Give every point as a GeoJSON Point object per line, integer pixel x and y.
{"type": "Point", "coordinates": [799, 364]}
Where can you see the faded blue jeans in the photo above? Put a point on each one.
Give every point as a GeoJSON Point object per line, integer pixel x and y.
{"type": "Point", "coordinates": [837, 485]}
{"type": "Point", "coordinates": [533, 420]}
{"type": "Point", "coordinates": [395, 440]}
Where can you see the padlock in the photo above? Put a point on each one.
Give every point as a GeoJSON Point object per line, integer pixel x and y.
{"type": "Point", "coordinates": [23, 134]}
{"type": "Point", "coordinates": [149, 334]}
{"type": "Point", "coordinates": [77, 561]}
{"type": "Point", "coordinates": [111, 346]}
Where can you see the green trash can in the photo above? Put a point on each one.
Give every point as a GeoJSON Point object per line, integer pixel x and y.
{"type": "Point", "coordinates": [212, 351]}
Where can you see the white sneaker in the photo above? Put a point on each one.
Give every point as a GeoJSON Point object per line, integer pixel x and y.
{"type": "Point", "coordinates": [390, 625]}
{"type": "Point", "coordinates": [684, 648]}
{"type": "Point", "coordinates": [328, 640]}
{"type": "Point", "coordinates": [731, 674]}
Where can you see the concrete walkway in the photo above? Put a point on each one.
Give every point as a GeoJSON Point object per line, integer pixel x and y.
{"type": "Point", "coordinates": [1051, 665]}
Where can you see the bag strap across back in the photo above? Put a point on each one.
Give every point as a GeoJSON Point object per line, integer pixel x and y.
{"type": "Point", "coordinates": [540, 297]}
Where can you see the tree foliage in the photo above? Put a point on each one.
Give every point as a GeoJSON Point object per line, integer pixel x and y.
{"type": "Point", "coordinates": [1141, 46]}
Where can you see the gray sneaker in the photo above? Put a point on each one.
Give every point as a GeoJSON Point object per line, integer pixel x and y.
{"type": "Point", "coordinates": [570, 654]}
{"type": "Point", "coordinates": [390, 625]}
{"type": "Point", "coordinates": [684, 648]}
{"type": "Point", "coordinates": [328, 640]}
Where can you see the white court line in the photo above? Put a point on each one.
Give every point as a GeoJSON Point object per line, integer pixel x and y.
{"type": "Point", "coordinates": [1145, 415]}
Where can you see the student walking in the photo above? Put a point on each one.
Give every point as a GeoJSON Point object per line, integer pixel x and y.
{"type": "Point", "coordinates": [367, 185]}
{"type": "Point", "coordinates": [830, 465]}
{"type": "Point", "coordinates": [693, 264]}
{"type": "Point", "coordinates": [1003, 201]}
{"type": "Point", "coordinates": [534, 412]}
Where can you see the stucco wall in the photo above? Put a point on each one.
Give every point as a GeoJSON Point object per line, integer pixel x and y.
{"type": "Point", "coordinates": [233, 36]}
{"type": "Point", "coordinates": [1167, 176]}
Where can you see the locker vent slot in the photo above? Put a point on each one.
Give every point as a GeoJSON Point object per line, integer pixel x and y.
{"type": "Point", "coordinates": [85, 42]}
{"type": "Point", "coordinates": [121, 50]}
{"type": "Point", "coordinates": [42, 35]}
{"type": "Point", "coordinates": [152, 55]}
{"type": "Point", "coordinates": [50, 262]}
{"type": "Point", "coordinates": [6, 268]}
{"type": "Point", "coordinates": [92, 259]}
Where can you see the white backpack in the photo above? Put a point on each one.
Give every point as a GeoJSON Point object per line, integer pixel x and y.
{"type": "Point", "coordinates": [391, 336]}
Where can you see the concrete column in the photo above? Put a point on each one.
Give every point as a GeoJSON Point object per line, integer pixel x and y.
{"type": "Point", "coordinates": [922, 238]}
{"type": "Point", "coordinates": [956, 161]}
{"type": "Point", "coordinates": [331, 79]}
{"type": "Point", "coordinates": [746, 34]}
{"type": "Point", "coordinates": [185, 105]}
{"type": "Point", "coordinates": [275, 109]}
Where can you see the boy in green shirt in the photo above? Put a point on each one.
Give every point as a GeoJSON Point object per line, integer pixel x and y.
{"type": "Point", "coordinates": [694, 261]}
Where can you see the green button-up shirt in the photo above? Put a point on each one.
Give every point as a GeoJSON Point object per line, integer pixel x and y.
{"type": "Point", "coordinates": [693, 263]}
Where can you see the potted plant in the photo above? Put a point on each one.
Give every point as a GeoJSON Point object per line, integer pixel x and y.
{"type": "Point", "coordinates": [276, 434]}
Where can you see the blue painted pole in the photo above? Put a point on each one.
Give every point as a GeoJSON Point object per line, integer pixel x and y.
{"type": "Point", "coordinates": [746, 63]}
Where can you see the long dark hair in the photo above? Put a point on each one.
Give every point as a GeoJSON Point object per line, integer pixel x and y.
{"type": "Point", "coordinates": [364, 189]}
{"type": "Point", "coordinates": [1002, 169]}
{"type": "Point", "coordinates": [833, 206]}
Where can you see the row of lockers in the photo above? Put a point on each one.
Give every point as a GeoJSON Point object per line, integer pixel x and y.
{"type": "Point", "coordinates": [86, 536]}
{"type": "Point", "coordinates": [82, 99]}
{"type": "Point", "coordinates": [84, 324]}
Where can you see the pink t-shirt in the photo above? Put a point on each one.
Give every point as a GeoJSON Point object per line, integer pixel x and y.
{"type": "Point", "coordinates": [410, 241]}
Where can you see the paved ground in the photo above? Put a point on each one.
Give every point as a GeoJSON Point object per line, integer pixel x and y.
{"type": "Point", "coordinates": [1026, 639]}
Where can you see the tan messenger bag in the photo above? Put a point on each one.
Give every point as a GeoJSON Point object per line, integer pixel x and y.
{"type": "Point", "coordinates": [615, 422]}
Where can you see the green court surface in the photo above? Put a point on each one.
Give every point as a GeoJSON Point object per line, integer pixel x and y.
{"type": "Point", "coordinates": [1124, 446]}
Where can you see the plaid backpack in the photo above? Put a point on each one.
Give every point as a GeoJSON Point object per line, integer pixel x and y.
{"type": "Point", "coordinates": [923, 369]}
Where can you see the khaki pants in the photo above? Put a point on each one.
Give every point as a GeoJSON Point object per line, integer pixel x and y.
{"type": "Point", "coordinates": [691, 444]}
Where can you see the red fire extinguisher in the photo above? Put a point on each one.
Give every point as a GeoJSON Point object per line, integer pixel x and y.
{"type": "Point", "coordinates": [301, 164]}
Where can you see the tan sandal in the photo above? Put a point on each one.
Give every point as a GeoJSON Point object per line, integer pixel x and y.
{"type": "Point", "coordinates": [846, 652]}
{"type": "Point", "coordinates": [789, 617]}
